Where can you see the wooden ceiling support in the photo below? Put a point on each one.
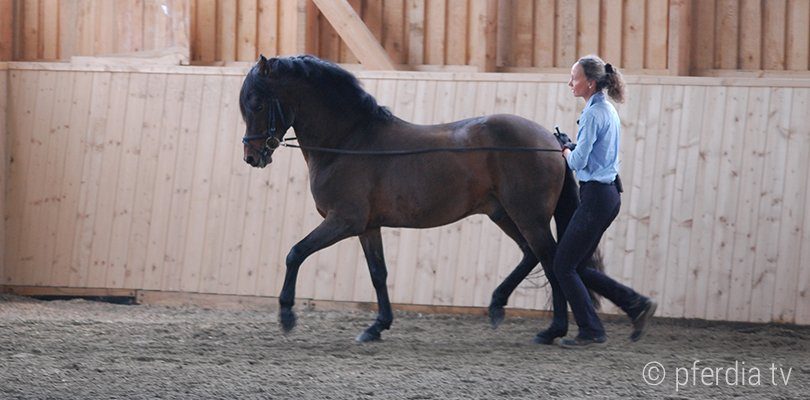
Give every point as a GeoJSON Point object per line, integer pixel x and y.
{"type": "Point", "coordinates": [355, 34]}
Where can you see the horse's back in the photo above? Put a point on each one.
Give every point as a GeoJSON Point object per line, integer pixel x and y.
{"type": "Point", "coordinates": [508, 129]}
{"type": "Point", "coordinates": [526, 170]}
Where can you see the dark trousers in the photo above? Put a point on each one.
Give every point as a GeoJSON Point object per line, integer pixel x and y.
{"type": "Point", "coordinates": [572, 273]}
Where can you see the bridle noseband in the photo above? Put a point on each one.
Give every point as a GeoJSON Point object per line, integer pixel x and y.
{"type": "Point", "coordinates": [272, 142]}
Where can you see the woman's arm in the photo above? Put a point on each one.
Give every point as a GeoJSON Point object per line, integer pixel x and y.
{"type": "Point", "coordinates": [586, 136]}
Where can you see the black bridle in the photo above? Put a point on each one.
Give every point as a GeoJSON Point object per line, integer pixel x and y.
{"type": "Point", "coordinates": [271, 141]}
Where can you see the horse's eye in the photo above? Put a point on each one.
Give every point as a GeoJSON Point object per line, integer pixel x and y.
{"type": "Point", "coordinates": [260, 107]}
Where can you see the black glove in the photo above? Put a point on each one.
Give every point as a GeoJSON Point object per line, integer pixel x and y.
{"type": "Point", "coordinates": [565, 141]}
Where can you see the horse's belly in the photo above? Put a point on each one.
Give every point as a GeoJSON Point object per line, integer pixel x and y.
{"type": "Point", "coordinates": [441, 206]}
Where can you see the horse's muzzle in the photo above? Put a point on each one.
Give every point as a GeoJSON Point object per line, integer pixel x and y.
{"type": "Point", "coordinates": [260, 157]}
{"type": "Point", "coordinates": [260, 161]}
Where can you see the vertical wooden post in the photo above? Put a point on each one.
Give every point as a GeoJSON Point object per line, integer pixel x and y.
{"type": "Point", "coordinates": [6, 31]}
{"type": "Point", "coordinates": [680, 30]}
{"type": "Point", "coordinates": [415, 31]}
{"type": "Point", "coordinates": [798, 35]}
{"type": "Point", "coordinates": [30, 30]}
{"type": "Point", "coordinates": [774, 15]}
{"type": "Point", "coordinates": [565, 45]}
{"type": "Point", "coordinates": [246, 29]}
{"type": "Point", "coordinates": [750, 34]}
{"type": "Point", "coordinates": [482, 37]}
{"type": "Point", "coordinates": [457, 34]}
{"type": "Point", "coordinates": [727, 44]}
{"type": "Point", "coordinates": [292, 21]}
{"type": "Point", "coordinates": [435, 21]}
{"type": "Point", "coordinates": [610, 34]}
{"type": "Point", "coordinates": [588, 15]}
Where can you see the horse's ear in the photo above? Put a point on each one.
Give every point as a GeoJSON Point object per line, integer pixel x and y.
{"type": "Point", "coordinates": [264, 65]}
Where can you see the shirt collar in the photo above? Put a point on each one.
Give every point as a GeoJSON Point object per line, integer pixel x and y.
{"type": "Point", "coordinates": [597, 97]}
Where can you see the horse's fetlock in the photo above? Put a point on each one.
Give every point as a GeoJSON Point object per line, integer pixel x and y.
{"type": "Point", "coordinates": [498, 300]}
{"type": "Point", "coordinates": [286, 305]}
{"type": "Point", "coordinates": [384, 324]}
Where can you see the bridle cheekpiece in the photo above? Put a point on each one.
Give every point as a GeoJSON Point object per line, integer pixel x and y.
{"type": "Point", "coordinates": [272, 142]}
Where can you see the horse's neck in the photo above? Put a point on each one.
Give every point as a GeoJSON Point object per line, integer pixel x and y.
{"type": "Point", "coordinates": [328, 130]}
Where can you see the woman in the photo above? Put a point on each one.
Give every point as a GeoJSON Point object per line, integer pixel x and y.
{"type": "Point", "coordinates": [595, 160]}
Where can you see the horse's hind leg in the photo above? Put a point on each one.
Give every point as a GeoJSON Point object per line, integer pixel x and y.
{"type": "Point", "coordinates": [501, 294]}
{"type": "Point", "coordinates": [372, 247]}
{"type": "Point", "coordinates": [539, 238]}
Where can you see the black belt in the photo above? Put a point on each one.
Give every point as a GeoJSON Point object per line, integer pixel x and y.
{"type": "Point", "coordinates": [617, 182]}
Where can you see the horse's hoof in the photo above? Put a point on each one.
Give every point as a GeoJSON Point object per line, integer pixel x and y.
{"type": "Point", "coordinates": [287, 319]}
{"type": "Point", "coordinates": [367, 336]}
{"type": "Point", "coordinates": [496, 316]}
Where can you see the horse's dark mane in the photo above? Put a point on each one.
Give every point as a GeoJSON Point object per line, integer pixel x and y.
{"type": "Point", "coordinates": [338, 86]}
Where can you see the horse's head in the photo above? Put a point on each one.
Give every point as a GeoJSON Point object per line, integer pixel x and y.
{"type": "Point", "coordinates": [264, 114]}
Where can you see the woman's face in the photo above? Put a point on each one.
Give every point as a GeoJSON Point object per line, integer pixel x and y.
{"type": "Point", "coordinates": [579, 84]}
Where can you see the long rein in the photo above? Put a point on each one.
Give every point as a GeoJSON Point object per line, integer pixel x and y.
{"type": "Point", "coordinates": [275, 111]}
{"type": "Point", "coordinates": [284, 143]}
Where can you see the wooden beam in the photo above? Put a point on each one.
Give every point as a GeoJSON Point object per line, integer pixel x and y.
{"type": "Point", "coordinates": [32, 291]}
{"type": "Point", "coordinates": [680, 41]}
{"type": "Point", "coordinates": [356, 34]}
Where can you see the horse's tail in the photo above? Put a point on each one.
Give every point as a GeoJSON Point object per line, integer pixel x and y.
{"type": "Point", "coordinates": [566, 205]}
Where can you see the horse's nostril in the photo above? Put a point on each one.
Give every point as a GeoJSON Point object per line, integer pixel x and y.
{"type": "Point", "coordinates": [249, 160]}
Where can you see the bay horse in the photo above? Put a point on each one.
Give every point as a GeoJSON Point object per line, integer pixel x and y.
{"type": "Point", "coordinates": [369, 169]}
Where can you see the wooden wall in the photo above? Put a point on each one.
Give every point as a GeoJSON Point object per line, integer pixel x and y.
{"type": "Point", "coordinates": [751, 34]}
{"type": "Point", "coordinates": [633, 34]}
{"type": "Point", "coordinates": [231, 30]}
{"type": "Point", "coordinates": [637, 35]}
{"type": "Point", "coordinates": [545, 33]}
{"type": "Point", "coordinates": [132, 178]}
{"type": "Point", "coordinates": [59, 29]}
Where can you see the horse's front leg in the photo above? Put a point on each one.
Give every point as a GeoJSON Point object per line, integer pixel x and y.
{"type": "Point", "coordinates": [329, 232]}
{"type": "Point", "coordinates": [372, 247]}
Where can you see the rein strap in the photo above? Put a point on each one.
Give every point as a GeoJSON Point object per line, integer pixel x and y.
{"type": "Point", "coordinates": [415, 151]}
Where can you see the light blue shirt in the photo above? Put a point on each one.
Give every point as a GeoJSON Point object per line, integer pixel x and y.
{"type": "Point", "coordinates": [596, 157]}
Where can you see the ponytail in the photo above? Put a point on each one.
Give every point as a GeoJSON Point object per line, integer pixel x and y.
{"type": "Point", "coordinates": [605, 75]}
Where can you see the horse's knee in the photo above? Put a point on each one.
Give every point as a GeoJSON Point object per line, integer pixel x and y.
{"type": "Point", "coordinates": [294, 257]}
{"type": "Point", "coordinates": [379, 275]}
